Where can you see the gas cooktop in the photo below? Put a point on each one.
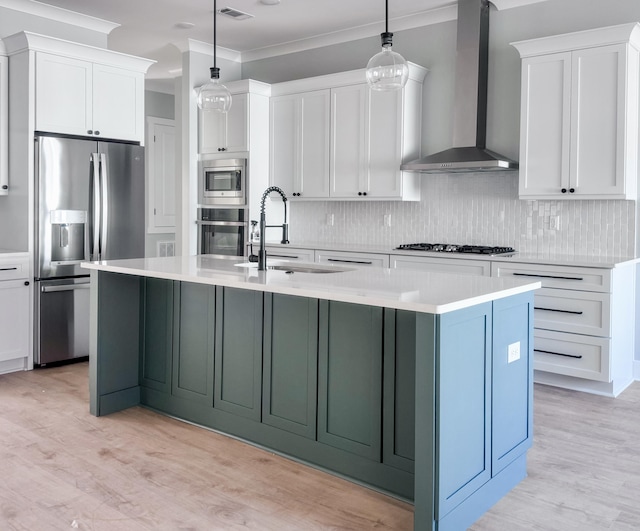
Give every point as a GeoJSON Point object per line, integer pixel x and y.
{"type": "Point", "coordinates": [449, 248]}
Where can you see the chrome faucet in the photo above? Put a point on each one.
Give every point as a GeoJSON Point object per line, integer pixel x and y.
{"type": "Point", "coordinates": [262, 253]}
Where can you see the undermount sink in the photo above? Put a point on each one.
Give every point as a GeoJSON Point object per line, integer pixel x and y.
{"type": "Point", "coordinates": [291, 267]}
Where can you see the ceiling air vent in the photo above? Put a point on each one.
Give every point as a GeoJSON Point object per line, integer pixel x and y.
{"type": "Point", "coordinates": [234, 13]}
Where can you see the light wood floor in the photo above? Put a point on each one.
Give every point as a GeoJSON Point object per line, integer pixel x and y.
{"type": "Point", "coordinates": [61, 468]}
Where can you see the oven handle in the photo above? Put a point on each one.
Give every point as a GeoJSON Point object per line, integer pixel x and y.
{"type": "Point", "coordinates": [222, 223]}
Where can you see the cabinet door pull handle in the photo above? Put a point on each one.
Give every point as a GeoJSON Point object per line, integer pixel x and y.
{"type": "Point", "coordinates": [571, 190]}
{"type": "Point", "coordinates": [578, 357]}
{"type": "Point", "coordinates": [546, 276]}
{"type": "Point", "coordinates": [9, 269]}
{"type": "Point", "coordinates": [350, 261]}
{"type": "Point", "coordinates": [557, 310]}
{"type": "Point", "coordinates": [564, 190]}
{"type": "Point", "coordinates": [284, 256]}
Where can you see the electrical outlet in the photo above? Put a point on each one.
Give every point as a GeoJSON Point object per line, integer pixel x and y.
{"type": "Point", "coordinates": [330, 220]}
{"type": "Point", "coordinates": [513, 352]}
{"type": "Point", "coordinates": [387, 220]}
{"type": "Point", "coordinates": [554, 222]}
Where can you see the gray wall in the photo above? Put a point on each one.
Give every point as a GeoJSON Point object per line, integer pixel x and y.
{"type": "Point", "coordinates": [159, 104]}
{"type": "Point", "coordinates": [15, 21]}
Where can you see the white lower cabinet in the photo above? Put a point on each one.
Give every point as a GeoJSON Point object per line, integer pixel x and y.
{"type": "Point", "coordinates": [584, 322]}
{"type": "Point", "coordinates": [347, 258]}
{"type": "Point", "coordinates": [442, 265]}
{"type": "Point", "coordinates": [289, 253]}
{"type": "Point", "coordinates": [14, 316]}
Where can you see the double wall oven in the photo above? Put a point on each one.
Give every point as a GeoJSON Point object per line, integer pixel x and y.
{"type": "Point", "coordinates": [223, 213]}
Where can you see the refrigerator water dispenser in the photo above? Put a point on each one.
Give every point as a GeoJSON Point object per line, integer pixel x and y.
{"type": "Point", "coordinates": [68, 236]}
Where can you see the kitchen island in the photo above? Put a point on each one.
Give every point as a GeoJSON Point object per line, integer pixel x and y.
{"type": "Point", "coordinates": [417, 384]}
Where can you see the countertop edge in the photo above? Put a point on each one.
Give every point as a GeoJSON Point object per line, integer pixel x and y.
{"type": "Point", "coordinates": [413, 306]}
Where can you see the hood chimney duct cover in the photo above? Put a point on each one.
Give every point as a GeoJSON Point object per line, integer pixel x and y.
{"type": "Point", "coordinates": [469, 153]}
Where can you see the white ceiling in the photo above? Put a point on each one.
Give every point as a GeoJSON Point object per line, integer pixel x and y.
{"type": "Point", "coordinates": [147, 28]}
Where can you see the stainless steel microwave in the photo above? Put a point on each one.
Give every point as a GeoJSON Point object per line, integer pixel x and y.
{"type": "Point", "coordinates": [222, 182]}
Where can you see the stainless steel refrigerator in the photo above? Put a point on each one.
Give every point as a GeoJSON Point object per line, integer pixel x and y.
{"type": "Point", "coordinates": [89, 206]}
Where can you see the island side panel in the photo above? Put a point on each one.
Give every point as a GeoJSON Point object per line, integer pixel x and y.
{"type": "Point", "coordinates": [512, 426]}
{"type": "Point", "coordinates": [425, 428]}
{"type": "Point", "coordinates": [463, 410]}
{"type": "Point", "coordinates": [511, 401]}
{"type": "Point", "coordinates": [115, 342]}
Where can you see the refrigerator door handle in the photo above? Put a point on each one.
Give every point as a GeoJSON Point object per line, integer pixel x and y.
{"type": "Point", "coordinates": [97, 203]}
{"type": "Point", "coordinates": [104, 195]}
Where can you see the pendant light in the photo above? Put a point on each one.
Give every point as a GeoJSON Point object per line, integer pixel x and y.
{"type": "Point", "coordinates": [214, 96]}
{"type": "Point", "coordinates": [387, 70]}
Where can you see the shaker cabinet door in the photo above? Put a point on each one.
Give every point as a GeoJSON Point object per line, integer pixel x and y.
{"type": "Point", "coordinates": [118, 103]}
{"type": "Point", "coordinates": [64, 94]}
{"type": "Point", "coordinates": [545, 125]}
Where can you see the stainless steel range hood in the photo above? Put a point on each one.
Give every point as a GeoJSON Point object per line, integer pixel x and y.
{"type": "Point", "coordinates": [469, 153]}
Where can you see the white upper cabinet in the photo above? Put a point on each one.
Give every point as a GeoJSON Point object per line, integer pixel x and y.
{"type": "Point", "coordinates": [64, 102]}
{"type": "Point", "coordinates": [334, 138]}
{"type": "Point", "coordinates": [579, 115]}
{"type": "Point", "coordinates": [4, 123]}
{"type": "Point", "coordinates": [82, 90]}
{"type": "Point", "coordinates": [235, 131]}
{"type": "Point", "coordinates": [220, 132]}
{"type": "Point", "coordinates": [299, 136]}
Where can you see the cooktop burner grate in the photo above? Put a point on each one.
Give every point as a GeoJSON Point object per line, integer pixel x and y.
{"type": "Point", "coordinates": [451, 248]}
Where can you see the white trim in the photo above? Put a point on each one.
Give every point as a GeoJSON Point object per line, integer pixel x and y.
{"type": "Point", "coordinates": [193, 45]}
{"type": "Point", "coordinates": [339, 79]}
{"type": "Point", "coordinates": [622, 33]}
{"type": "Point", "coordinates": [59, 14]}
{"type": "Point", "coordinates": [26, 40]}
{"type": "Point", "coordinates": [426, 18]}
{"type": "Point", "coordinates": [610, 389]}
{"type": "Point", "coordinates": [150, 169]}
{"type": "Point", "coordinates": [509, 4]}
{"type": "Point", "coordinates": [636, 370]}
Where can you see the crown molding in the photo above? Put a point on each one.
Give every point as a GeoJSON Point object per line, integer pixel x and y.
{"type": "Point", "coordinates": [193, 45]}
{"type": "Point", "coordinates": [509, 4]}
{"type": "Point", "coordinates": [31, 7]}
{"type": "Point", "coordinates": [26, 40]}
{"type": "Point", "coordinates": [426, 18]}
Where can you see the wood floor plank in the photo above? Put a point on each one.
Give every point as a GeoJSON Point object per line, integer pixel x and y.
{"type": "Point", "coordinates": [61, 468]}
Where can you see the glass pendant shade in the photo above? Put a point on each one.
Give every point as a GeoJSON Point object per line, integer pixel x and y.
{"type": "Point", "coordinates": [214, 96]}
{"type": "Point", "coordinates": [387, 70]}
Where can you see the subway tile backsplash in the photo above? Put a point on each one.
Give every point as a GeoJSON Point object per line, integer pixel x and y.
{"type": "Point", "coordinates": [477, 209]}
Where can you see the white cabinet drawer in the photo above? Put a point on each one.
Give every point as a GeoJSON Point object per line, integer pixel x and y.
{"type": "Point", "coordinates": [289, 253]}
{"type": "Point", "coordinates": [13, 269]}
{"type": "Point", "coordinates": [577, 278]}
{"type": "Point", "coordinates": [572, 355]}
{"type": "Point", "coordinates": [572, 311]}
{"type": "Point", "coordinates": [356, 259]}
{"type": "Point", "coordinates": [442, 265]}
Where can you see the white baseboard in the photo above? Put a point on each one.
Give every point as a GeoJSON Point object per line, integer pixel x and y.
{"type": "Point", "coordinates": [636, 370]}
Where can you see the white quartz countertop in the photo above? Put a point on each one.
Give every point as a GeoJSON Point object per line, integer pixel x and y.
{"type": "Point", "coordinates": [402, 289]}
{"type": "Point", "coordinates": [607, 262]}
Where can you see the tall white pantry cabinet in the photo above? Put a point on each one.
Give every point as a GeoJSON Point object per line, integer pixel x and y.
{"type": "Point", "coordinates": [579, 114]}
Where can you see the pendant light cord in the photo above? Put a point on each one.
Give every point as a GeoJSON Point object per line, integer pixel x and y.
{"type": "Point", "coordinates": [386, 16]}
{"type": "Point", "coordinates": [215, 8]}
